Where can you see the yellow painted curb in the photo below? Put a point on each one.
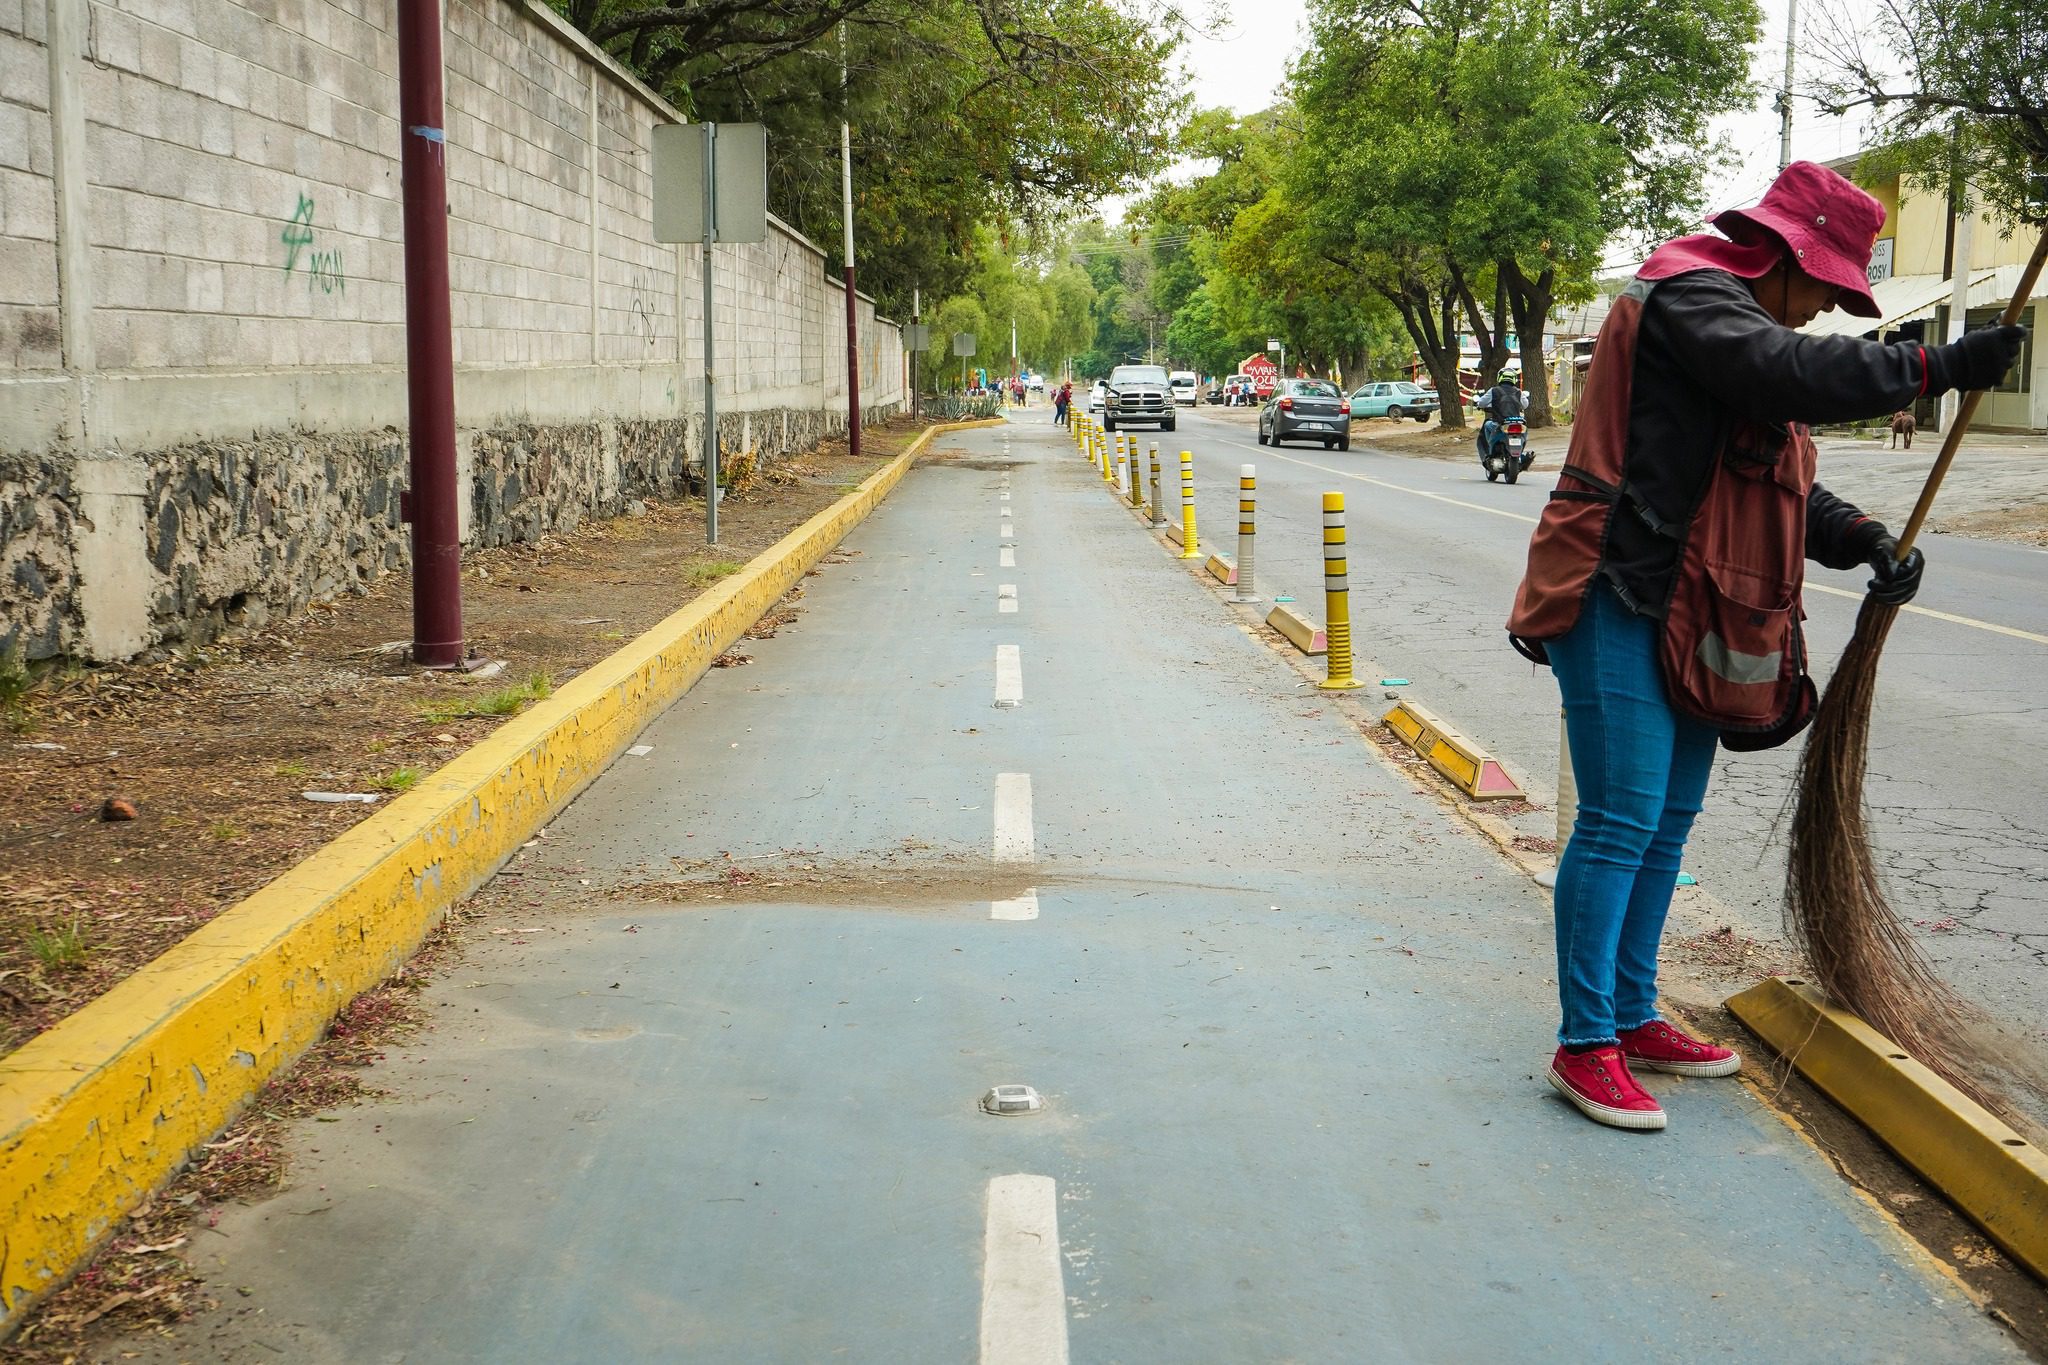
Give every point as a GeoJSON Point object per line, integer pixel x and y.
{"type": "Point", "coordinates": [1997, 1178]}
{"type": "Point", "coordinates": [1308, 637]}
{"type": "Point", "coordinates": [100, 1109]}
{"type": "Point", "coordinates": [1222, 569]}
{"type": "Point", "coordinates": [1476, 772]}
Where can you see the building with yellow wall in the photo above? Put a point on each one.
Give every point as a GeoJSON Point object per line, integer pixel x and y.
{"type": "Point", "coordinates": [1911, 274]}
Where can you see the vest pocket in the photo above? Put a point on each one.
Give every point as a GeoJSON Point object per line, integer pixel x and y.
{"type": "Point", "coordinates": [1742, 651]}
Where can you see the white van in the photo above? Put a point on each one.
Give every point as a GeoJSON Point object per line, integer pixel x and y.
{"type": "Point", "coordinates": [1184, 383]}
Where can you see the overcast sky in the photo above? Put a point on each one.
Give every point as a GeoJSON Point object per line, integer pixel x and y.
{"type": "Point", "coordinates": [1243, 65]}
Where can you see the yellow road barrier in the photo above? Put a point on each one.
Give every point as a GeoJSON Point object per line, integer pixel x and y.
{"type": "Point", "coordinates": [1476, 772]}
{"type": "Point", "coordinates": [1992, 1173]}
{"type": "Point", "coordinates": [1190, 547]}
{"type": "Point", "coordinates": [1336, 596]}
{"type": "Point", "coordinates": [1308, 637]}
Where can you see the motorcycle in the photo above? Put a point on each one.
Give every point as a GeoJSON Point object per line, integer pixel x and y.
{"type": "Point", "coordinates": [1504, 449]}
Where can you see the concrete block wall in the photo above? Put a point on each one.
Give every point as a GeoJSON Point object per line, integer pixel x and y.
{"type": "Point", "coordinates": [202, 307]}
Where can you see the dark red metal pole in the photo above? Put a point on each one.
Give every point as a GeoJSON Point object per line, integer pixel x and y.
{"type": "Point", "coordinates": [852, 365]}
{"type": "Point", "coordinates": [429, 351]}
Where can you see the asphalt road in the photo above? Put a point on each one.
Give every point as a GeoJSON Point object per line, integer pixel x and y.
{"type": "Point", "coordinates": [1960, 741]}
{"type": "Point", "coordinates": [704, 1085]}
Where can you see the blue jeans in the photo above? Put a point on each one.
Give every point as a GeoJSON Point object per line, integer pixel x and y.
{"type": "Point", "coordinates": [1642, 773]}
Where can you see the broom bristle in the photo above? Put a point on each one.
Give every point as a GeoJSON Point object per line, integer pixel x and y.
{"type": "Point", "coordinates": [1836, 910]}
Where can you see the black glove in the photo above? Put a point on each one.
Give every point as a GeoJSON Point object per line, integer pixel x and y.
{"type": "Point", "coordinates": [1979, 361]}
{"type": "Point", "coordinates": [1897, 580]}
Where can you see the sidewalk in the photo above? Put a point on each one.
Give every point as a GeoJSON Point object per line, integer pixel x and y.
{"type": "Point", "coordinates": [704, 1084]}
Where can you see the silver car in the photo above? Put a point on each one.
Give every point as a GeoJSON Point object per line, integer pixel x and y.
{"type": "Point", "coordinates": [1138, 393]}
{"type": "Point", "coordinates": [1311, 409]}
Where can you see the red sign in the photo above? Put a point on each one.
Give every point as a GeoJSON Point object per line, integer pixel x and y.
{"type": "Point", "coordinates": [1263, 371]}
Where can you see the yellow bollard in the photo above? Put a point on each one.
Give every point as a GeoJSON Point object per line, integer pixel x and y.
{"type": "Point", "coordinates": [1336, 596]}
{"type": "Point", "coordinates": [1137, 491]}
{"type": "Point", "coordinates": [1115, 477]}
{"type": "Point", "coordinates": [1189, 549]}
{"type": "Point", "coordinates": [1158, 511]}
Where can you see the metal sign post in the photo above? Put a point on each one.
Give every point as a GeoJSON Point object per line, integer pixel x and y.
{"type": "Point", "coordinates": [710, 186]}
{"type": "Point", "coordinates": [963, 346]}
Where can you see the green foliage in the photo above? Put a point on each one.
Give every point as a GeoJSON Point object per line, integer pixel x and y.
{"type": "Point", "coordinates": [505, 701]}
{"type": "Point", "coordinates": [705, 572]}
{"type": "Point", "coordinates": [63, 946]}
{"type": "Point", "coordinates": [964, 113]}
{"type": "Point", "coordinates": [1951, 84]}
{"type": "Point", "coordinates": [397, 780]}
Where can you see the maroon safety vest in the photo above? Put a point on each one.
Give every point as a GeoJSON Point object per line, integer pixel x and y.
{"type": "Point", "coordinates": [1733, 654]}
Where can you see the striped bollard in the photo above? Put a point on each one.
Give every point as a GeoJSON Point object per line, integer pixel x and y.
{"type": "Point", "coordinates": [1336, 596]}
{"type": "Point", "coordinates": [1188, 547]}
{"type": "Point", "coordinates": [1158, 511]}
{"type": "Point", "coordinates": [1137, 490]}
{"type": "Point", "coordinates": [1116, 472]}
{"type": "Point", "coordinates": [1247, 503]}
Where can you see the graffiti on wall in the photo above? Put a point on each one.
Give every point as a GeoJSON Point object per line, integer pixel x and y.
{"type": "Point", "coordinates": [323, 268]}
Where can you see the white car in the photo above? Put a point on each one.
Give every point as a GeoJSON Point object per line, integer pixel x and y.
{"type": "Point", "coordinates": [1095, 396]}
{"type": "Point", "coordinates": [1185, 383]}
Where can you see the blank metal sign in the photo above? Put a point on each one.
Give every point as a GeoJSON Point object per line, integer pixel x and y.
{"type": "Point", "coordinates": [742, 185]}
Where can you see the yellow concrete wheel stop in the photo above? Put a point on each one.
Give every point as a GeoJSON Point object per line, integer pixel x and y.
{"type": "Point", "coordinates": [1467, 764]}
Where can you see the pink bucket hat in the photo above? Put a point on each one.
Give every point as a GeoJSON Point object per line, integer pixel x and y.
{"type": "Point", "coordinates": [1829, 225]}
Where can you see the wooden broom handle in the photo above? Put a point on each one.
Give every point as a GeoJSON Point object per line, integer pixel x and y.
{"type": "Point", "coordinates": [1967, 408]}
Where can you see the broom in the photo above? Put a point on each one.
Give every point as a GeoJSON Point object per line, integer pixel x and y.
{"type": "Point", "coordinates": [1835, 907]}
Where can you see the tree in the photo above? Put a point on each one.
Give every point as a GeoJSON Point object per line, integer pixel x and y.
{"type": "Point", "coordinates": [1950, 83]}
{"type": "Point", "coordinates": [1518, 137]}
{"type": "Point", "coordinates": [965, 113]}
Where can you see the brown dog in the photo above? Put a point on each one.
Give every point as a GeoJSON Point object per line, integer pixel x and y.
{"type": "Point", "coordinates": [1903, 425]}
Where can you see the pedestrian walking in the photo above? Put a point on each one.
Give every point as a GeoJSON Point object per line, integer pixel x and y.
{"type": "Point", "coordinates": [1062, 403]}
{"type": "Point", "coordinates": [1663, 582]}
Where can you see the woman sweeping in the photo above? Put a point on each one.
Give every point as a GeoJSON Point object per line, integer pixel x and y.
{"type": "Point", "coordinates": [1664, 578]}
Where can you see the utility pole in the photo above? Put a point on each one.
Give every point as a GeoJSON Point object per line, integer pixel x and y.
{"type": "Point", "coordinates": [846, 213]}
{"type": "Point", "coordinates": [916, 319]}
{"type": "Point", "coordinates": [1785, 93]}
{"type": "Point", "coordinates": [1959, 294]}
{"type": "Point", "coordinates": [1013, 347]}
{"type": "Point", "coordinates": [430, 502]}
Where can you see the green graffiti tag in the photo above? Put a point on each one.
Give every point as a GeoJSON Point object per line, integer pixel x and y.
{"type": "Point", "coordinates": [323, 268]}
{"type": "Point", "coordinates": [298, 233]}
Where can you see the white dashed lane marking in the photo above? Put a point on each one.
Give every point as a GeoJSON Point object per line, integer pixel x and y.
{"type": "Point", "coordinates": [1009, 676]}
{"type": "Point", "coordinates": [1023, 1289]}
{"type": "Point", "coordinates": [1013, 838]}
{"type": "Point", "coordinates": [1006, 597]}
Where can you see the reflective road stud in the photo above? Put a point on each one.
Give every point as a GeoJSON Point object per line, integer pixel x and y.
{"type": "Point", "coordinates": [1247, 502]}
{"type": "Point", "coordinates": [1158, 512]}
{"type": "Point", "coordinates": [1337, 596]}
{"type": "Point", "coordinates": [1188, 547]}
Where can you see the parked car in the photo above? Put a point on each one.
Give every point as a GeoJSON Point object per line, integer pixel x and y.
{"type": "Point", "coordinates": [1310, 408]}
{"type": "Point", "coordinates": [1138, 393]}
{"type": "Point", "coordinates": [1184, 384]}
{"type": "Point", "coordinates": [1396, 399]}
{"type": "Point", "coordinates": [1095, 396]}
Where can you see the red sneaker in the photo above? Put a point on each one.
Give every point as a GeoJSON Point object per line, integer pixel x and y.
{"type": "Point", "coordinates": [1599, 1084]}
{"type": "Point", "coordinates": [1660, 1047]}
